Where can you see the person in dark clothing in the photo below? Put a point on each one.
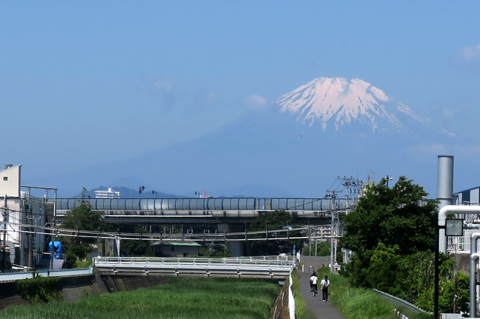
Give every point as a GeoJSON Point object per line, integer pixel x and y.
{"type": "Point", "coordinates": [325, 283]}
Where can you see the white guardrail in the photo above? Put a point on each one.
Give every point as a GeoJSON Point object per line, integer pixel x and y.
{"type": "Point", "coordinates": [270, 264]}
{"type": "Point", "coordinates": [405, 306]}
{"type": "Point", "coordinates": [260, 261]}
{"type": "Point", "coordinates": [291, 299]}
{"type": "Point", "coordinates": [253, 267]}
{"type": "Point", "coordinates": [12, 276]}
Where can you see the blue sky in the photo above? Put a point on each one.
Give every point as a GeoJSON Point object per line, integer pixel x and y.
{"type": "Point", "coordinates": [96, 81]}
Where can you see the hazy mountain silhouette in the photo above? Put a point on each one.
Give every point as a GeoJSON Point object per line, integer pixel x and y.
{"type": "Point", "coordinates": [297, 147]}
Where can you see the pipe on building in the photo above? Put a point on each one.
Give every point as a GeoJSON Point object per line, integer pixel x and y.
{"type": "Point", "coordinates": [473, 260]}
{"type": "Point", "coordinates": [444, 188]}
{"type": "Point", "coordinates": [442, 216]}
{"type": "Point", "coordinates": [445, 180]}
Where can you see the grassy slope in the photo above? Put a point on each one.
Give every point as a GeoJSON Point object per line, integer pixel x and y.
{"type": "Point", "coordinates": [357, 303]}
{"type": "Point", "coordinates": [183, 297]}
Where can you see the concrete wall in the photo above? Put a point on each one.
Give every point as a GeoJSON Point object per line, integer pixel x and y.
{"type": "Point", "coordinates": [9, 297]}
{"type": "Point", "coordinates": [462, 263]}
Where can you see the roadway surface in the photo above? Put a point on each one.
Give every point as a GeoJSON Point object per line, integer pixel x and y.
{"type": "Point", "coordinates": [323, 310]}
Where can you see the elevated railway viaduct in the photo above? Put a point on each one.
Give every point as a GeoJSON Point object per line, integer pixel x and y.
{"type": "Point", "coordinates": [227, 214]}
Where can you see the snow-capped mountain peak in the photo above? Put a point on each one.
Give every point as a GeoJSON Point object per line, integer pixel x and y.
{"type": "Point", "coordinates": [341, 102]}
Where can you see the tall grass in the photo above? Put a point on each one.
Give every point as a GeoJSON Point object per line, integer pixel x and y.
{"type": "Point", "coordinates": [301, 311]}
{"type": "Point", "coordinates": [182, 297]}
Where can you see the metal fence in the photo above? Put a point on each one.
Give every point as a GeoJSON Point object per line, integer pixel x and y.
{"type": "Point", "coordinates": [402, 307]}
{"type": "Point", "coordinates": [459, 244]}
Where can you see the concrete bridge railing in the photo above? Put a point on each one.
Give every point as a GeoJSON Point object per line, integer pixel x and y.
{"type": "Point", "coordinates": [250, 267]}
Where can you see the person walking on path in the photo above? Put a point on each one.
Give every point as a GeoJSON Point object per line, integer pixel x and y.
{"type": "Point", "coordinates": [313, 283]}
{"type": "Point", "coordinates": [324, 284]}
{"type": "Point", "coordinates": [319, 310]}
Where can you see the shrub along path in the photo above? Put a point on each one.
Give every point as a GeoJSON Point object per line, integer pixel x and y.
{"type": "Point", "coordinates": [323, 310]}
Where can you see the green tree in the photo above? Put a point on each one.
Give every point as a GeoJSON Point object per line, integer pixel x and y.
{"type": "Point", "coordinates": [276, 220]}
{"type": "Point", "coordinates": [82, 217]}
{"type": "Point", "coordinates": [137, 248]}
{"type": "Point", "coordinates": [399, 217]}
{"type": "Point", "coordinates": [461, 296]}
{"type": "Point", "coordinates": [393, 216]}
{"type": "Point", "coordinates": [392, 235]}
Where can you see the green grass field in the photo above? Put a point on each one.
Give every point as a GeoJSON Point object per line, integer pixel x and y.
{"type": "Point", "coordinates": [182, 297]}
{"type": "Point", "coordinates": [358, 303]}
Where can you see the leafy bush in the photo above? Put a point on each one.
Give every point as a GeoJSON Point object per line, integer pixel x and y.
{"type": "Point", "coordinates": [39, 289]}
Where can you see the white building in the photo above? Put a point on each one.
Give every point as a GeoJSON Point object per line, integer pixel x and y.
{"type": "Point", "coordinates": [109, 193]}
{"type": "Point", "coordinates": [23, 246]}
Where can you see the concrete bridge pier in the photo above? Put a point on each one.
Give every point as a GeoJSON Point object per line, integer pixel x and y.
{"type": "Point", "coordinates": [237, 248]}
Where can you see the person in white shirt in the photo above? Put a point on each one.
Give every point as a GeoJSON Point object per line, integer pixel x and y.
{"type": "Point", "coordinates": [313, 283]}
{"type": "Point", "coordinates": [324, 284]}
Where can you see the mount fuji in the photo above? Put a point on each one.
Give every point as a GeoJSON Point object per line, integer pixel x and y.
{"type": "Point", "coordinates": [356, 107]}
{"type": "Point", "coordinates": [297, 147]}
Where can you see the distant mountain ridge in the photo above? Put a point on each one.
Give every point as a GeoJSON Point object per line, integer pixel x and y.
{"type": "Point", "coordinates": [128, 193]}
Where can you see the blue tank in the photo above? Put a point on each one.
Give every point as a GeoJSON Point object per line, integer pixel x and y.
{"type": "Point", "coordinates": [57, 246]}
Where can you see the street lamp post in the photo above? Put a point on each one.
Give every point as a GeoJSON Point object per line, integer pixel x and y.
{"type": "Point", "coordinates": [387, 179]}
{"type": "Point", "coordinates": [453, 227]}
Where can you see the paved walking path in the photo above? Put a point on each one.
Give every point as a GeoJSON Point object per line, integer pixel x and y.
{"type": "Point", "coordinates": [323, 310]}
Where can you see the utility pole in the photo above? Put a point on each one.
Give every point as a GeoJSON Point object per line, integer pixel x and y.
{"type": "Point", "coordinates": [5, 217]}
{"type": "Point", "coordinates": [31, 234]}
{"type": "Point", "coordinates": [357, 185]}
{"type": "Point", "coordinates": [30, 229]}
{"type": "Point", "coordinates": [53, 244]}
{"type": "Point", "coordinates": [333, 247]}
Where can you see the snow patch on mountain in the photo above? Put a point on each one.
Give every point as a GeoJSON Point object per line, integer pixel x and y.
{"type": "Point", "coordinates": [341, 102]}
